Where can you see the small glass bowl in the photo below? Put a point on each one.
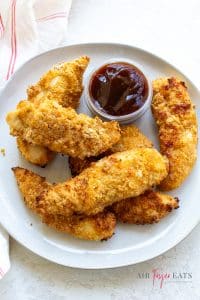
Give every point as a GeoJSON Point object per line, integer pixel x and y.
{"type": "Point", "coordinates": [125, 119]}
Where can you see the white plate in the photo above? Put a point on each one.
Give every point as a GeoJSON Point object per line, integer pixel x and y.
{"type": "Point", "coordinates": [131, 243]}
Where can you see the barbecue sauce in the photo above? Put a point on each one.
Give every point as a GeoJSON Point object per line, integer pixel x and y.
{"type": "Point", "coordinates": [118, 88]}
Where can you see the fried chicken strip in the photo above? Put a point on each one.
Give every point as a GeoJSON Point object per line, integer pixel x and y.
{"type": "Point", "coordinates": [147, 208]}
{"type": "Point", "coordinates": [98, 227]}
{"type": "Point", "coordinates": [62, 83]}
{"type": "Point", "coordinates": [62, 129]}
{"type": "Point", "coordinates": [131, 137]}
{"type": "Point", "coordinates": [94, 228]}
{"type": "Point", "coordinates": [34, 154]}
{"type": "Point", "coordinates": [175, 116]}
{"type": "Point", "coordinates": [111, 179]}
{"type": "Point", "coordinates": [31, 186]}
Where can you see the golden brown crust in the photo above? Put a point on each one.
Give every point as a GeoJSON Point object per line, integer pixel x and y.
{"type": "Point", "coordinates": [148, 208]}
{"type": "Point", "coordinates": [34, 154]}
{"type": "Point", "coordinates": [62, 83]}
{"type": "Point", "coordinates": [98, 227]}
{"type": "Point", "coordinates": [131, 137]}
{"type": "Point", "coordinates": [111, 179]}
{"type": "Point", "coordinates": [77, 165]}
{"type": "Point", "coordinates": [177, 124]}
{"type": "Point", "coordinates": [31, 186]}
{"type": "Point", "coordinates": [62, 129]}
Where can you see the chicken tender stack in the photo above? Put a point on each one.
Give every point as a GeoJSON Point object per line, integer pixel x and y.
{"type": "Point", "coordinates": [147, 208]}
{"type": "Point", "coordinates": [116, 168]}
{"type": "Point", "coordinates": [63, 84]}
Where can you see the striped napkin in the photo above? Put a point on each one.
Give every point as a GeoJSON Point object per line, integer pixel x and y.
{"type": "Point", "coordinates": [27, 27]}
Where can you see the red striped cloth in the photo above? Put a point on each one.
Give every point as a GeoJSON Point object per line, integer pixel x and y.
{"type": "Point", "coordinates": [27, 27]}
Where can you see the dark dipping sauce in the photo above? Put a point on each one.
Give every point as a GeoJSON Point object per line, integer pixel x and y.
{"type": "Point", "coordinates": [118, 89]}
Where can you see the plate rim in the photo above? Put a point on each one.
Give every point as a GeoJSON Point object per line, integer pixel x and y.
{"type": "Point", "coordinates": [50, 257]}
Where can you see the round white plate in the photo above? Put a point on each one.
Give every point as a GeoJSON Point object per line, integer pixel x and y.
{"type": "Point", "coordinates": [131, 243]}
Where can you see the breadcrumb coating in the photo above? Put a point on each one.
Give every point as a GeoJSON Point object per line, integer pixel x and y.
{"type": "Point", "coordinates": [62, 129]}
{"type": "Point", "coordinates": [131, 137]}
{"type": "Point", "coordinates": [62, 83]}
{"type": "Point", "coordinates": [31, 186]}
{"type": "Point", "coordinates": [111, 179]}
{"type": "Point", "coordinates": [98, 227]}
{"type": "Point", "coordinates": [34, 154]}
{"type": "Point", "coordinates": [175, 116]}
{"type": "Point", "coordinates": [94, 228]}
{"type": "Point", "coordinates": [147, 208]}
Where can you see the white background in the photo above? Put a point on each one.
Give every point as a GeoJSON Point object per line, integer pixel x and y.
{"type": "Point", "coordinates": [170, 29]}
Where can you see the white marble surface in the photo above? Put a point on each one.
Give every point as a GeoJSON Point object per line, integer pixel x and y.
{"type": "Point", "coordinates": [169, 29]}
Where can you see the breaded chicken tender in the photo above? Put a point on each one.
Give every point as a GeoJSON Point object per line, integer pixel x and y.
{"type": "Point", "coordinates": [147, 208]}
{"type": "Point", "coordinates": [95, 228]}
{"type": "Point", "coordinates": [111, 179]}
{"type": "Point", "coordinates": [177, 124]}
{"type": "Point", "coordinates": [62, 83]}
{"type": "Point", "coordinates": [77, 165]}
{"type": "Point", "coordinates": [62, 129]}
{"type": "Point", "coordinates": [31, 186]}
{"type": "Point", "coordinates": [131, 137]}
{"type": "Point", "coordinates": [37, 155]}
{"type": "Point", "coordinates": [98, 227]}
